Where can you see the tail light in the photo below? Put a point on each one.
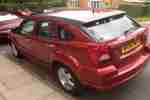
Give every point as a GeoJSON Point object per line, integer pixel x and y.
{"type": "Point", "coordinates": [99, 54]}
{"type": "Point", "coordinates": [147, 34]}
{"type": "Point", "coordinates": [148, 38]}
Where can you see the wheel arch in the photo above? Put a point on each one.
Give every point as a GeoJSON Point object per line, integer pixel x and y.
{"type": "Point", "coordinates": [55, 63]}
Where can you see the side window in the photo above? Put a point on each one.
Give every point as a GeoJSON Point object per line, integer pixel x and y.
{"type": "Point", "coordinates": [64, 34]}
{"type": "Point", "coordinates": [27, 28]}
{"type": "Point", "coordinates": [44, 29]}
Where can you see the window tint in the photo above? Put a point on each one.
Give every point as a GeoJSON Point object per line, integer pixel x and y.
{"type": "Point", "coordinates": [27, 28]}
{"type": "Point", "coordinates": [44, 29]}
{"type": "Point", "coordinates": [65, 35]}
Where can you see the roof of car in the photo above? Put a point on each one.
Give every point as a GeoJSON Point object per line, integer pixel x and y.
{"type": "Point", "coordinates": [85, 16]}
{"type": "Point", "coordinates": [76, 16]}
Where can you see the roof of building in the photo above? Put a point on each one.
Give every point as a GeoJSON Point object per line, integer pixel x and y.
{"type": "Point", "coordinates": [85, 16]}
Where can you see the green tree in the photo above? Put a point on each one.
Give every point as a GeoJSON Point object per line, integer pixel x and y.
{"type": "Point", "coordinates": [37, 5]}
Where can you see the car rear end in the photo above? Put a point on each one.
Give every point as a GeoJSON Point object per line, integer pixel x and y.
{"type": "Point", "coordinates": [120, 51]}
{"type": "Point", "coordinates": [128, 57]}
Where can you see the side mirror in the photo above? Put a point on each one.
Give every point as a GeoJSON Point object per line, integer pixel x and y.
{"type": "Point", "coordinates": [16, 30]}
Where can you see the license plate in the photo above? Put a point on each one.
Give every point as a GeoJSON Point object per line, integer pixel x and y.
{"type": "Point", "coordinates": [130, 46]}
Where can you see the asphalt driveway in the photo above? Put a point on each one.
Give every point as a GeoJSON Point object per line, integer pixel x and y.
{"type": "Point", "coordinates": [21, 80]}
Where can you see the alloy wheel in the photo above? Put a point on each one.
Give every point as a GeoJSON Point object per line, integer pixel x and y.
{"type": "Point", "coordinates": [65, 78]}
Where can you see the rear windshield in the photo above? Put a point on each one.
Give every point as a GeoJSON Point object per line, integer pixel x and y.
{"type": "Point", "coordinates": [110, 28]}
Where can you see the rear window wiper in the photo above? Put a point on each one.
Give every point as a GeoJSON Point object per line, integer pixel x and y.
{"type": "Point", "coordinates": [130, 30]}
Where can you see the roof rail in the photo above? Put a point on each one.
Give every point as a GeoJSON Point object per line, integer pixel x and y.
{"type": "Point", "coordinates": [52, 10]}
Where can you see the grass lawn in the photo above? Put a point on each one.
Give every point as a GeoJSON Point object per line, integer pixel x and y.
{"type": "Point", "coordinates": [144, 18]}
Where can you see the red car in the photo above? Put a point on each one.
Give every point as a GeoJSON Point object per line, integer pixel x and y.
{"type": "Point", "coordinates": [100, 49]}
{"type": "Point", "coordinates": [8, 21]}
{"type": "Point", "coordinates": [148, 36]}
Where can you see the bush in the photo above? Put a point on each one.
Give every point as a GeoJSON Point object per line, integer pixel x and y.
{"type": "Point", "coordinates": [34, 6]}
{"type": "Point", "coordinates": [136, 10]}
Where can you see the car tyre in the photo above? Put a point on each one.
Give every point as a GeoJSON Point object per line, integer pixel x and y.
{"type": "Point", "coordinates": [67, 80]}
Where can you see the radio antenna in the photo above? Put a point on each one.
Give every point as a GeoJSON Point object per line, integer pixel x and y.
{"type": "Point", "coordinates": [93, 10]}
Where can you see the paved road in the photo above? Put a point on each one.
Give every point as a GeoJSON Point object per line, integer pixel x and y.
{"type": "Point", "coordinates": [20, 80]}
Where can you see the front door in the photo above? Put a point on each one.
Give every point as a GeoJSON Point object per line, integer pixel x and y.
{"type": "Point", "coordinates": [43, 40]}
{"type": "Point", "coordinates": [23, 36]}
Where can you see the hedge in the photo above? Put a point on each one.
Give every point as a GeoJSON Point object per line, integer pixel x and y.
{"type": "Point", "coordinates": [34, 6]}
{"type": "Point", "coordinates": [136, 10]}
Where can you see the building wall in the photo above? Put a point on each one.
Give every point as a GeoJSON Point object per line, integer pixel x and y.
{"type": "Point", "coordinates": [116, 3]}
{"type": "Point", "coordinates": [84, 3]}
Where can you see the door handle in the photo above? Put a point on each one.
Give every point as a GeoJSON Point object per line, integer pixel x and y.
{"type": "Point", "coordinates": [28, 40]}
{"type": "Point", "coordinates": [51, 45]}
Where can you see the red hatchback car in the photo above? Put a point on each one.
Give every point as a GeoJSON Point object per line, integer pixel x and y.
{"type": "Point", "coordinates": [101, 49]}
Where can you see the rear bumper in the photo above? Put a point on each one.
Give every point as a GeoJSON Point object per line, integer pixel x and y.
{"type": "Point", "coordinates": [106, 78]}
